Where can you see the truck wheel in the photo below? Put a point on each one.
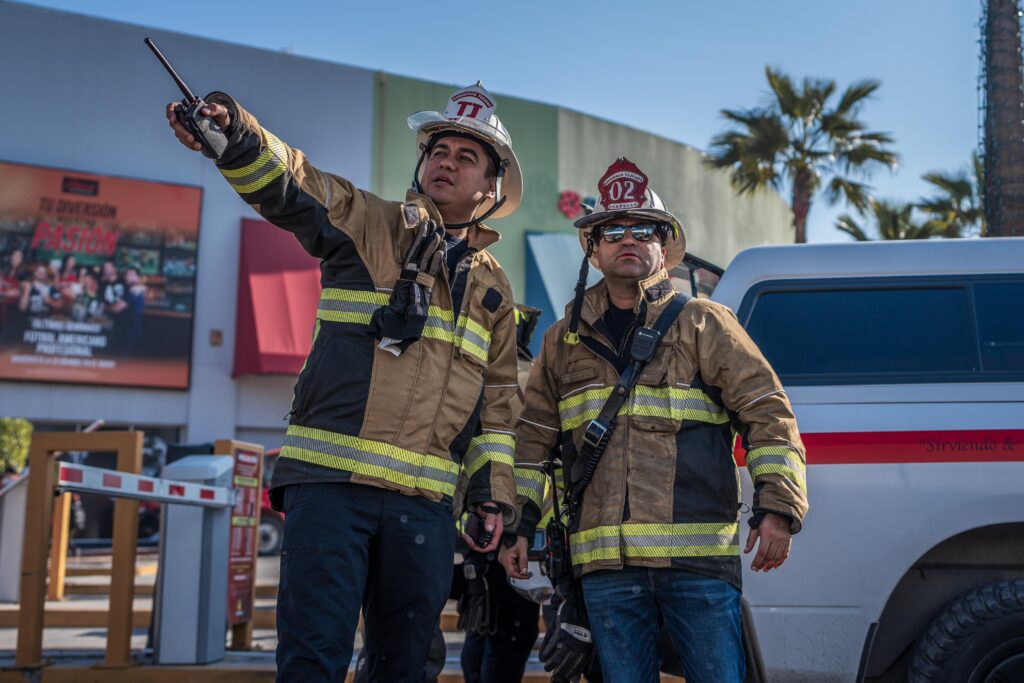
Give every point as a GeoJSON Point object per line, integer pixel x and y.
{"type": "Point", "coordinates": [979, 638]}
{"type": "Point", "coordinates": [271, 535]}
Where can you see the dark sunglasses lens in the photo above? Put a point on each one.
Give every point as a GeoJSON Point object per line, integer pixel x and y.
{"type": "Point", "coordinates": [642, 233]}
{"type": "Point", "coordinates": [613, 234]}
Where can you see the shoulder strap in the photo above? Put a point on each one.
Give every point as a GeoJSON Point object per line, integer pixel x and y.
{"type": "Point", "coordinates": [599, 431]}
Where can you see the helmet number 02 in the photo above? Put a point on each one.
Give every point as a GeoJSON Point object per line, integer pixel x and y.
{"type": "Point", "coordinates": [622, 189]}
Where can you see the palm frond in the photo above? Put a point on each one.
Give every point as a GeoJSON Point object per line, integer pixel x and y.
{"type": "Point", "coordinates": [855, 94]}
{"type": "Point", "coordinates": [847, 224]}
{"type": "Point", "coordinates": [854, 193]}
{"type": "Point", "coordinates": [786, 97]}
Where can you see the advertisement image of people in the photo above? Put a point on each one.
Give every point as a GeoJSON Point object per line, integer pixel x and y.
{"type": "Point", "coordinates": [97, 278]}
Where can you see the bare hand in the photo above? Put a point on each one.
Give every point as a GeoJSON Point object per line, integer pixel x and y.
{"type": "Point", "coordinates": [514, 559]}
{"type": "Point", "coordinates": [219, 113]}
{"type": "Point", "coordinates": [493, 524]}
{"type": "Point", "coordinates": [775, 542]}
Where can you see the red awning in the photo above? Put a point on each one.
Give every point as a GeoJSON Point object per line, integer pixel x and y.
{"type": "Point", "coordinates": [278, 292]}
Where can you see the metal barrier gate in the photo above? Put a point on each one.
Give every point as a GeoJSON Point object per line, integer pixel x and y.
{"type": "Point", "coordinates": [126, 485]}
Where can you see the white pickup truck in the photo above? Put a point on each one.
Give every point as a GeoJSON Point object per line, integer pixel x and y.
{"type": "Point", "coordinates": [904, 362]}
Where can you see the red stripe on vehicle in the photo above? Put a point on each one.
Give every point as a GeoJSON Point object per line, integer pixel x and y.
{"type": "Point", "coordinates": [112, 481]}
{"type": "Point", "coordinates": [71, 474]}
{"type": "Point", "coordinates": [862, 448]}
{"type": "Point", "coordinates": [177, 490]}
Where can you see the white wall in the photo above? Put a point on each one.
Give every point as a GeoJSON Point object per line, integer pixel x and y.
{"type": "Point", "coordinates": [86, 94]}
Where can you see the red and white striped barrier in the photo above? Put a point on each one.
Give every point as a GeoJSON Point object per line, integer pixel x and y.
{"type": "Point", "coordinates": [123, 485]}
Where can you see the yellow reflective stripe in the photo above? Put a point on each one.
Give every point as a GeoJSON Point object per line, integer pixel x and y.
{"type": "Point", "coordinates": [355, 295]}
{"type": "Point", "coordinates": [370, 458]}
{"type": "Point", "coordinates": [472, 349]}
{"type": "Point", "coordinates": [357, 306]}
{"type": "Point", "coordinates": [583, 407]}
{"type": "Point", "coordinates": [263, 158]}
{"type": "Point", "coordinates": [702, 539]}
{"type": "Point", "coordinates": [676, 404]}
{"type": "Point", "coordinates": [670, 403]}
{"type": "Point", "coordinates": [343, 316]}
{"type": "Point", "coordinates": [487, 448]}
{"type": "Point", "coordinates": [267, 167]}
{"type": "Point", "coordinates": [780, 460]}
{"type": "Point", "coordinates": [438, 333]}
{"type": "Point", "coordinates": [261, 182]}
{"type": "Point", "coordinates": [472, 337]}
{"type": "Point", "coordinates": [531, 484]}
{"type": "Point", "coordinates": [473, 326]}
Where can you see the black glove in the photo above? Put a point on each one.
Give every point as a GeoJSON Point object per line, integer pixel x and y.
{"type": "Point", "coordinates": [401, 322]}
{"type": "Point", "coordinates": [568, 651]}
{"type": "Point", "coordinates": [477, 605]}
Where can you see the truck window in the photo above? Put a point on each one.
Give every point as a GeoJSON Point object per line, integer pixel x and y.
{"type": "Point", "coordinates": [878, 331]}
{"type": "Point", "coordinates": [1000, 311]}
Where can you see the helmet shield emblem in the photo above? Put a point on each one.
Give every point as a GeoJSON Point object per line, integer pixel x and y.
{"type": "Point", "coordinates": [472, 103]}
{"type": "Point", "coordinates": [623, 186]}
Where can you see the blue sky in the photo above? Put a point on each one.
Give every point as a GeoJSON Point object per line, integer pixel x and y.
{"type": "Point", "coordinates": [666, 67]}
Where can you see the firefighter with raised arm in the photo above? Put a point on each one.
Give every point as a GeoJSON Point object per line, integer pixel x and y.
{"type": "Point", "coordinates": [642, 387]}
{"type": "Point", "coordinates": [411, 380]}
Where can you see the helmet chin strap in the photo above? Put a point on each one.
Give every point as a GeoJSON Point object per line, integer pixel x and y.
{"type": "Point", "coordinates": [416, 187]}
{"type": "Point", "coordinates": [572, 337]}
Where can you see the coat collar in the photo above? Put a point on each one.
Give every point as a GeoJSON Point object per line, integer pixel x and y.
{"type": "Point", "coordinates": [479, 236]}
{"type": "Point", "coordinates": [656, 291]}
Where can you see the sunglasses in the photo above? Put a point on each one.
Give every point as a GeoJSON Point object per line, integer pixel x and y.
{"type": "Point", "coordinates": [640, 233]}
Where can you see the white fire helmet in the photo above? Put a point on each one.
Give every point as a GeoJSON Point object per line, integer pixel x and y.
{"type": "Point", "coordinates": [537, 588]}
{"type": "Point", "coordinates": [470, 111]}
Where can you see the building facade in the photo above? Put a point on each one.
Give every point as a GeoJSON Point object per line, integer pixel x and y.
{"type": "Point", "coordinates": [90, 101]}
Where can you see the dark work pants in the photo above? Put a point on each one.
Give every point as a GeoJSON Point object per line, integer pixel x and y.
{"type": "Point", "coordinates": [349, 545]}
{"type": "Point", "coordinates": [501, 657]}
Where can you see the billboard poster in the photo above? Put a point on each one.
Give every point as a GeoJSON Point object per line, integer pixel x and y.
{"type": "Point", "coordinates": [97, 278]}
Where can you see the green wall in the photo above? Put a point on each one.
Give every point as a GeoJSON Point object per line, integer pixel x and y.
{"type": "Point", "coordinates": [534, 131]}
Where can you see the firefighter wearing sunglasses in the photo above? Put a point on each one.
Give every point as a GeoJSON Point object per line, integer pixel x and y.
{"type": "Point", "coordinates": [642, 389]}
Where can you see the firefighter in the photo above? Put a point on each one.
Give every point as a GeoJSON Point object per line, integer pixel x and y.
{"type": "Point", "coordinates": [642, 388]}
{"type": "Point", "coordinates": [411, 379]}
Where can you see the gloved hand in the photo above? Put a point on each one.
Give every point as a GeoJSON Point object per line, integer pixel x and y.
{"type": "Point", "coordinates": [567, 653]}
{"type": "Point", "coordinates": [401, 322]}
{"type": "Point", "coordinates": [477, 606]}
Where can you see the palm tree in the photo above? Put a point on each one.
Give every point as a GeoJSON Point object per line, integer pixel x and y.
{"type": "Point", "coordinates": [893, 221]}
{"type": "Point", "coordinates": [804, 137]}
{"type": "Point", "coordinates": [1004, 129]}
{"type": "Point", "coordinates": [959, 207]}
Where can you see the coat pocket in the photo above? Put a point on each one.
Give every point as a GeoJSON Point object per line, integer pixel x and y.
{"type": "Point", "coordinates": [656, 401]}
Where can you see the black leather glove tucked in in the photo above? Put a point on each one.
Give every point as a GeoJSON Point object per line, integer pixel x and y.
{"type": "Point", "coordinates": [568, 652]}
{"type": "Point", "coordinates": [478, 608]}
{"type": "Point", "coordinates": [401, 322]}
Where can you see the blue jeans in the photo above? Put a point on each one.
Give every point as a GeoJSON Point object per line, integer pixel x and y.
{"type": "Point", "coordinates": [702, 616]}
{"type": "Point", "coordinates": [348, 546]}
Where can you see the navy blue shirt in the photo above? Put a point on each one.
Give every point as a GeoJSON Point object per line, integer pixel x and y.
{"type": "Point", "coordinates": [456, 250]}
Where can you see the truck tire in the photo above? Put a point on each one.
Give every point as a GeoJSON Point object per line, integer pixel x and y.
{"type": "Point", "coordinates": [271, 535]}
{"type": "Point", "coordinates": [978, 638]}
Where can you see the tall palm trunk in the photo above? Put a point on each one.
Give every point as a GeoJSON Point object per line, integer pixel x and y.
{"type": "Point", "coordinates": [1004, 128]}
{"type": "Point", "coordinates": [801, 204]}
